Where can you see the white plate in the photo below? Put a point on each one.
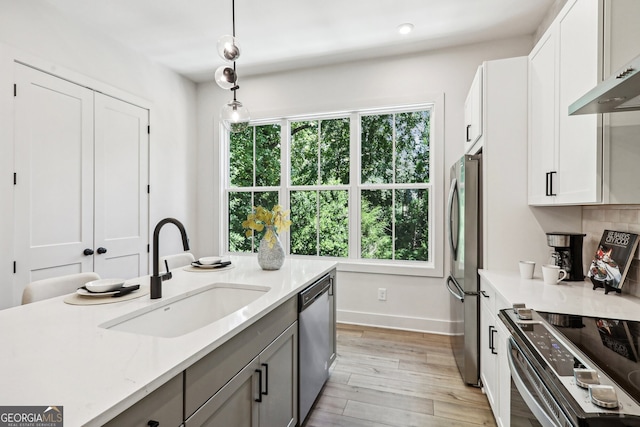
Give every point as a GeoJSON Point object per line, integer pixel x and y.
{"type": "Point", "coordinates": [210, 260]}
{"type": "Point", "coordinates": [86, 293]}
{"type": "Point", "coordinates": [204, 266]}
{"type": "Point", "coordinates": [104, 285]}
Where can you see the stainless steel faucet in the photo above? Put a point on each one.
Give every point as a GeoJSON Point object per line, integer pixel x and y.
{"type": "Point", "coordinates": [157, 278]}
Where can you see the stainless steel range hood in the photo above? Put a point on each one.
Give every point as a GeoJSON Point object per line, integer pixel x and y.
{"type": "Point", "coordinates": [620, 92]}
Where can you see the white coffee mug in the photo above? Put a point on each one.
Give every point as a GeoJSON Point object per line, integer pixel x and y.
{"type": "Point", "coordinates": [526, 269]}
{"type": "Point", "coordinates": [552, 274]}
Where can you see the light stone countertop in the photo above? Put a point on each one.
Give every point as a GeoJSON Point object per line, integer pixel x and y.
{"type": "Point", "coordinates": [567, 297]}
{"type": "Point", "coordinates": [53, 353]}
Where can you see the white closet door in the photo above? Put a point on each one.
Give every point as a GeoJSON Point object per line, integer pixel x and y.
{"type": "Point", "coordinates": [54, 166]}
{"type": "Point", "coordinates": [121, 178]}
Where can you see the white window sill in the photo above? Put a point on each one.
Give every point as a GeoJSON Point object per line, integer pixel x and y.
{"type": "Point", "coordinates": [396, 269]}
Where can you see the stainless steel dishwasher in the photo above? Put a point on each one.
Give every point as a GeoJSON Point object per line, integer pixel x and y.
{"type": "Point", "coordinates": [316, 323]}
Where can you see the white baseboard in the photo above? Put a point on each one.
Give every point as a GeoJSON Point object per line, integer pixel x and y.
{"type": "Point", "coordinates": [416, 324]}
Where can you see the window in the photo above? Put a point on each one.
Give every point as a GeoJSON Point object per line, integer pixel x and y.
{"type": "Point", "coordinates": [319, 191]}
{"type": "Point", "coordinates": [394, 190]}
{"type": "Point", "coordinates": [358, 185]}
{"type": "Point", "coordinates": [254, 179]}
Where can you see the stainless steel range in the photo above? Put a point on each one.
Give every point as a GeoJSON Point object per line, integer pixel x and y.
{"type": "Point", "coordinates": [573, 370]}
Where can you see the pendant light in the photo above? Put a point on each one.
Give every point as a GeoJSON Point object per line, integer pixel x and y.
{"type": "Point", "coordinates": [234, 116]}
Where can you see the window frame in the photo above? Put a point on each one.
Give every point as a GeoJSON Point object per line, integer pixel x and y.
{"type": "Point", "coordinates": [353, 263]}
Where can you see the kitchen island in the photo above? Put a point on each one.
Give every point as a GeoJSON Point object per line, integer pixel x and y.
{"type": "Point", "coordinates": [58, 354]}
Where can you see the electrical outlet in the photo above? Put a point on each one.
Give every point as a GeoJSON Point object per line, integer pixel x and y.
{"type": "Point", "coordinates": [382, 294]}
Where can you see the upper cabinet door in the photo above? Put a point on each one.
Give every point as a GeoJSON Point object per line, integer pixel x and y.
{"type": "Point", "coordinates": [53, 195]}
{"type": "Point", "coordinates": [579, 162]}
{"type": "Point", "coordinates": [565, 152]}
{"type": "Point", "coordinates": [473, 112]}
{"type": "Point", "coordinates": [121, 178]}
{"type": "Point", "coordinates": [542, 120]}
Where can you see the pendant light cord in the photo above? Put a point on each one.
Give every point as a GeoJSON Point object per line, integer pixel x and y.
{"type": "Point", "coordinates": [233, 23]}
{"type": "Point", "coordinates": [233, 16]}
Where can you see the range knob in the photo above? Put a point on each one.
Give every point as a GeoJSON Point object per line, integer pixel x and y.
{"type": "Point", "coordinates": [524, 313]}
{"type": "Point", "coordinates": [603, 395]}
{"type": "Point", "coordinates": [585, 377]}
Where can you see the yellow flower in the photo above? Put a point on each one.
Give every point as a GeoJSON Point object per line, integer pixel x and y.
{"type": "Point", "coordinates": [260, 217]}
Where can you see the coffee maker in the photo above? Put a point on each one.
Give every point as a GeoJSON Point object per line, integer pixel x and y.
{"type": "Point", "coordinates": [567, 253]}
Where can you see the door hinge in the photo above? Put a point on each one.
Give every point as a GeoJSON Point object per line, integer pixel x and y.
{"type": "Point", "coordinates": [15, 89]}
{"type": "Point", "coordinates": [14, 267]}
{"type": "Point", "coordinates": [15, 178]}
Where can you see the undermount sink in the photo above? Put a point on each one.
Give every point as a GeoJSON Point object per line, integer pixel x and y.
{"type": "Point", "coordinates": [184, 314]}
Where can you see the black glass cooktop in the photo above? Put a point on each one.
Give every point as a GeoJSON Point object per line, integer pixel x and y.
{"type": "Point", "coordinates": [612, 344]}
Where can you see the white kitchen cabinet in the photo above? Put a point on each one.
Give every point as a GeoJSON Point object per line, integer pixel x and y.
{"type": "Point", "coordinates": [504, 375]}
{"type": "Point", "coordinates": [542, 113]}
{"type": "Point", "coordinates": [81, 176]}
{"type": "Point", "coordinates": [494, 373]}
{"type": "Point", "coordinates": [473, 113]}
{"type": "Point", "coordinates": [582, 159]}
{"type": "Point", "coordinates": [565, 155]}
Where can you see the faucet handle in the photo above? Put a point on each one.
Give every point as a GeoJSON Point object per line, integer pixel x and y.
{"type": "Point", "coordinates": [168, 275]}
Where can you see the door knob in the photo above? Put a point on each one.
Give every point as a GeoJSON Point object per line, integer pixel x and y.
{"type": "Point", "coordinates": [102, 250]}
{"type": "Point", "coordinates": [88, 251]}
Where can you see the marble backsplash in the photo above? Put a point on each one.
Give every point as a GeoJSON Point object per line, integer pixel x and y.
{"type": "Point", "coordinates": [596, 219]}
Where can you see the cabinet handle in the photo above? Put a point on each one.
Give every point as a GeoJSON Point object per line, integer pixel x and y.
{"type": "Point", "coordinates": [266, 379]}
{"type": "Point", "coordinates": [259, 399]}
{"type": "Point", "coordinates": [546, 184]}
{"type": "Point", "coordinates": [153, 423]}
{"type": "Point", "coordinates": [484, 294]}
{"type": "Point", "coordinates": [102, 250]}
{"type": "Point", "coordinates": [548, 191]}
{"type": "Point", "coordinates": [330, 285]}
{"type": "Point", "coordinates": [88, 251]}
{"type": "Point", "coordinates": [468, 137]}
{"type": "Point", "coordinates": [492, 346]}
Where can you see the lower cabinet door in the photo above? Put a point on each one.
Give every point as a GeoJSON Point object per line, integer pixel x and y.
{"type": "Point", "coordinates": [279, 364]}
{"type": "Point", "coordinates": [234, 405]}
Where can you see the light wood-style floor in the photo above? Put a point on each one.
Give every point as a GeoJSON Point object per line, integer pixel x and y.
{"type": "Point", "coordinates": [385, 378]}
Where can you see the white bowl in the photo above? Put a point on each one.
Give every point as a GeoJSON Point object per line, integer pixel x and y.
{"type": "Point", "coordinates": [209, 260]}
{"type": "Point", "coordinates": [104, 285]}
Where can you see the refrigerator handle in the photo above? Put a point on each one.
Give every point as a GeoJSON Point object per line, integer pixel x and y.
{"type": "Point", "coordinates": [453, 191]}
{"type": "Point", "coordinates": [460, 296]}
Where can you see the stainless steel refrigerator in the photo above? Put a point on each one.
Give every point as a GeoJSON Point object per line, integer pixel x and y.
{"type": "Point", "coordinates": [465, 245]}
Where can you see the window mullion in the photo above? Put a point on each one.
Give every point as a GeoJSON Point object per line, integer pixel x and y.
{"type": "Point", "coordinates": [355, 214]}
{"type": "Point", "coordinates": [393, 190]}
{"type": "Point", "coordinates": [319, 184]}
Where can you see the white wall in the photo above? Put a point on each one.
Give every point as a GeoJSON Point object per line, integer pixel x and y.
{"type": "Point", "coordinates": [419, 303]}
{"type": "Point", "coordinates": [34, 31]}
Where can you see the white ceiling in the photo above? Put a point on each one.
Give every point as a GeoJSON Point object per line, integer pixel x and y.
{"type": "Point", "coordinates": [281, 34]}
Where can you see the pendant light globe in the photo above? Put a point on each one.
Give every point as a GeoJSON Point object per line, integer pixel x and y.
{"type": "Point", "coordinates": [226, 77]}
{"type": "Point", "coordinates": [228, 48]}
{"type": "Point", "coordinates": [235, 116]}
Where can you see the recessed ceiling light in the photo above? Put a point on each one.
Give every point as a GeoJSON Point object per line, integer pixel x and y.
{"type": "Point", "coordinates": [405, 28]}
